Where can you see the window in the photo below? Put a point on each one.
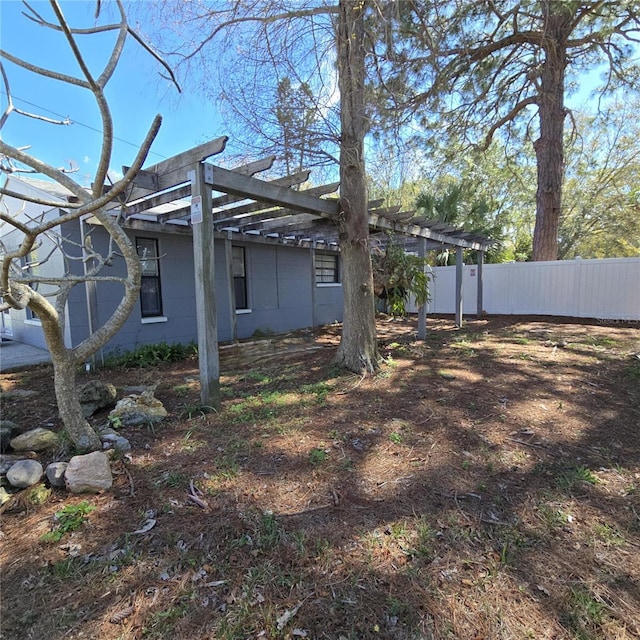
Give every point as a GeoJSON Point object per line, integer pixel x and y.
{"type": "Point", "coordinates": [327, 268]}
{"type": "Point", "coordinates": [239, 277]}
{"type": "Point", "coordinates": [150, 298]}
{"type": "Point", "coordinates": [30, 267]}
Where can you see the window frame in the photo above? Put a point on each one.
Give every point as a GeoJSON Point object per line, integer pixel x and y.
{"type": "Point", "coordinates": [150, 278]}
{"type": "Point", "coordinates": [240, 280]}
{"type": "Point", "coordinates": [327, 269]}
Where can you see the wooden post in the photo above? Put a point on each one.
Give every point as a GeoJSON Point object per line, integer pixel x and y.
{"type": "Point", "coordinates": [459, 273]}
{"type": "Point", "coordinates": [312, 252]}
{"type": "Point", "coordinates": [480, 310]}
{"type": "Point", "coordinates": [204, 268]}
{"type": "Point", "coordinates": [231, 289]}
{"type": "Point", "coordinates": [422, 309]}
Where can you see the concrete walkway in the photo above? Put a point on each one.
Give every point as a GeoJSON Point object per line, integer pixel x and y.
{"type": "Point", "coordinates": [15, 356]}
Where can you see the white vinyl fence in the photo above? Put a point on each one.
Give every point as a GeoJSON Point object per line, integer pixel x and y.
{"type": "Point", "coordinates": [607, 289]}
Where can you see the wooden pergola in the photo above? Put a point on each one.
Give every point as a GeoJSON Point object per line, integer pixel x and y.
{"type": "Point", "coordinates": [186, 195]}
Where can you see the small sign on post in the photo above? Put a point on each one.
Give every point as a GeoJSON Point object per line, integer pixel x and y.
{"type": "Point", "coordinates": [196, 209]}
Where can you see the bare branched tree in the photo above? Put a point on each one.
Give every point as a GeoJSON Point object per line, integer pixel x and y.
{"type": "Point", "coordinates": [25, 281]}
{"type": "Point", "coordinates": [317, 49]}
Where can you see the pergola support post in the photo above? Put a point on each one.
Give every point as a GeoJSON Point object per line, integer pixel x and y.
{"type": "Point", "coordinates": [422, 309]}
{"type": "Point", "coordinates": [459, 291]}
{"type": "Point", "coordinates": [204, 267]}
{"type": "Point", "coordinates": [314, 300]}
{"type": "Point", "coordinates": [480, 310]}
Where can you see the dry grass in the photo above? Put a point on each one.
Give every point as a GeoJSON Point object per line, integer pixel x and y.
{"type": "Point", "coordinates": [485, 484]}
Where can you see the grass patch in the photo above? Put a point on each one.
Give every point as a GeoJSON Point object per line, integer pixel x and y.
{"type": "Point", "coordinates": [633, 370]}
{"type": "Point", "coordinates": [585, 614]}
{"type": "Point", "coordinates": [318, 457]}
{"type": "Point", "coordinates": [572, 478]}
{"type": "Point", "coordinates": [176, 479]}
{"type": "Point", "coordinates": [319, 389]}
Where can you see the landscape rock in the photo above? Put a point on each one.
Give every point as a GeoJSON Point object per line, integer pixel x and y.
{"type": "Point", "coordinates": [137, 410]}
{"type": "Point", "coordinates": [89, 473]}
{"type": "Point", "coordinates": [25, 473]}
{"type": "Point", "coordinates": [5, 496]}
{"type": "Point", "coordinates": [35, 440]}
{"type": "Point", "coordinates": [105, 430]}
{"type": "Point", "coordinates": [7, 460]}
{"type": "Point", "coordinates": [95, 395]}
{"type": "Point", "coordinates": [55, 474]}
{"type": "Point", "coordinates": [7, 431]}
{"type": "Point", "coordinates": [116, 442]}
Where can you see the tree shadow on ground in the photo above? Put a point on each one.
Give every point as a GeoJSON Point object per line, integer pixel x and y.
{"type": "Point", "coordinates": [466, 491]}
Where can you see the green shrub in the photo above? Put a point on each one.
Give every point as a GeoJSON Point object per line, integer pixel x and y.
{"type": "Point", "coordinates": [149, 355]}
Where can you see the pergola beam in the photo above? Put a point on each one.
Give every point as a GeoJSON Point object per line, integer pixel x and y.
{"type": "Point", "coordinates": [239, 185]}
{"type": "Point", "coordinates": [259, 208]}
{"type": "Point", "coordinates": [173, 171]}
{"type": "Point", "coordinates": [423, 232]}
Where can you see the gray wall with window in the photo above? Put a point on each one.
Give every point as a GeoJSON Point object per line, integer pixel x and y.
{"type": "Point", "coordinates": [272, 286]}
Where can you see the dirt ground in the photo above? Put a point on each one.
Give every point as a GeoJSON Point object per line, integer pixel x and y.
{"type": "Point", "coordinates": [485, 484]}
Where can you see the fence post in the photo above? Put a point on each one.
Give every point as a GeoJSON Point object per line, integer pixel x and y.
{"type": "Point", "coordinates": [459, 273]}
{"type": "Point", "coordinates": [479, 309]}
{"type": "Point", "coordinates": [422, 309]}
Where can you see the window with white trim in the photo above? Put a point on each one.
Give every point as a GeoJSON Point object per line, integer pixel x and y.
{"type": "Point", "coordinates": [150, 290]}
{"type": "Point", "coordinates": [327, 268]}
{"type": "Point", "coordinates": [239, 266]}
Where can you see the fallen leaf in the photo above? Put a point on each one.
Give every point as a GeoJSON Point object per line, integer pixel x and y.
{"type": "Point", "coordinates": [286, 616]}
{"type": "Point", "coordinates": [147, 526]}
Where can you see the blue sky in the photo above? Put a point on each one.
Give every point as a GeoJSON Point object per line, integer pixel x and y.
{"type": "Point", "coordinates": [136, 93]}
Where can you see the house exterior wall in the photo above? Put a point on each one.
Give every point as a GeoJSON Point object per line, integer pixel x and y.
{"type": "Point", "coordinates": [20, 325]}
{"type": "Point", "coordinates": [278, 290]}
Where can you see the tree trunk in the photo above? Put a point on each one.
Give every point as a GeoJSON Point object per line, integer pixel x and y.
{"type": "Point", "coordinates": [79, 431]}
{"type": "Point", "coordinates": [358, 350]}
{"type": "Point", "coordinates": [549, 147]}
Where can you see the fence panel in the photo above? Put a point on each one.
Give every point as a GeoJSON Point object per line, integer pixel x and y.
{"type": "Point", "coordinates": [607, 289]}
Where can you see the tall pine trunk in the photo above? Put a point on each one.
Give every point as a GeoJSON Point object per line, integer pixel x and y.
{"type": "Point", "coordinates": [358, 350]}
{"type": "Point", "coordinates": [549, 147]}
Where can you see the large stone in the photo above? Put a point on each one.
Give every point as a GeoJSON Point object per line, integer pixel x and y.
{"type": "Point", "coordinates": [96, 395]}
{"type": "Point", "coordinates": [137, 410]}
{"type": "Point", "coordinates": [24, 473]}
{"type": "Point", "coordinates": [7, 431]}
{"type": "Point", "coordinates": [7, 460]}
{"type": "Point", "coordinates": [55, 474]}
{"type": "Point", "coordinates": [35, 440]}
{"type": "Point", "coordinates": [89, 473]}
